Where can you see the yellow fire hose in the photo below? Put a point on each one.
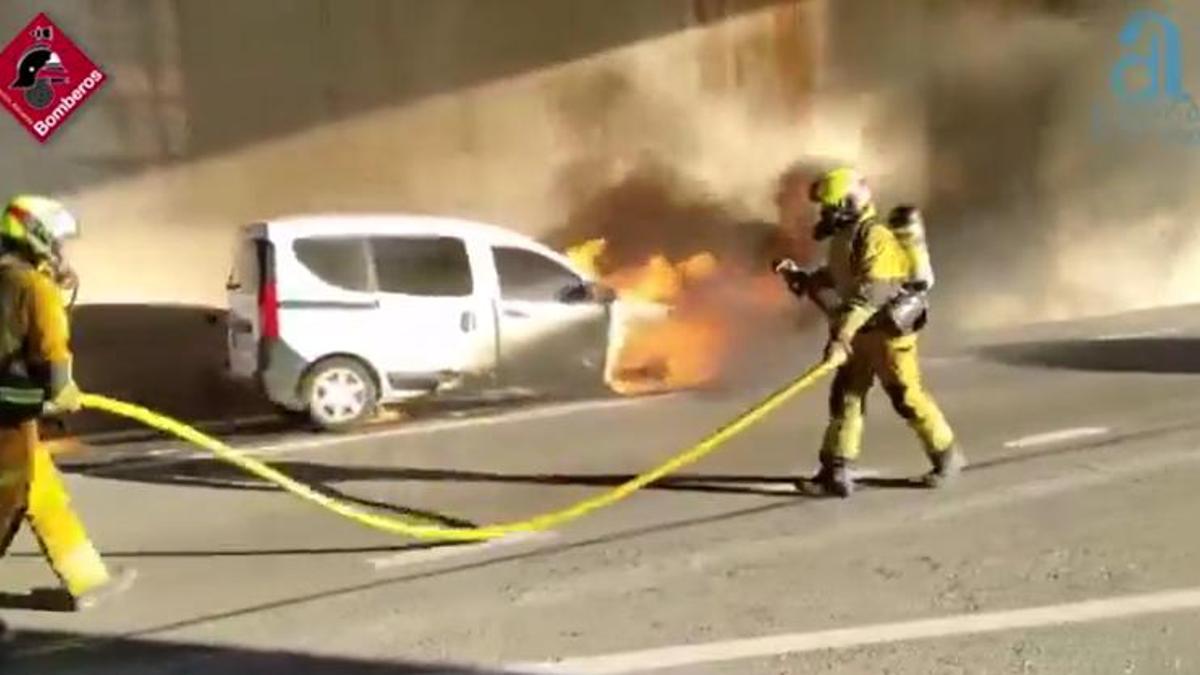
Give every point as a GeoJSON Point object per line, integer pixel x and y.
{"type": "Point", "coordinates": [393, 525]}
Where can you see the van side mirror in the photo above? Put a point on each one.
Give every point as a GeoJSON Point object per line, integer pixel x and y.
{"type": "Point", "coordinates": [575, 293]}
{"type": "Point", "coordinates": [603, 294]}
{"type": "Point", "coordinates": [586, 292]}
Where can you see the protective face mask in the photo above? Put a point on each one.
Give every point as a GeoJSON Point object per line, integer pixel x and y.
{"type": "Point", "coordinates": [833, 219]}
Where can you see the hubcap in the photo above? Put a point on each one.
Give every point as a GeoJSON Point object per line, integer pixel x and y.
{"type": "Point", "coordinates": [338, 395]}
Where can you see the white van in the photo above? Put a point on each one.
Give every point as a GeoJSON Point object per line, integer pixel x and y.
{"type": "Point", "coordinates": [334, 315]}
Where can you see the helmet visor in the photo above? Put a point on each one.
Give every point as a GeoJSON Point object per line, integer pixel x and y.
{"type": "Point", "coordinates": [62, 225]}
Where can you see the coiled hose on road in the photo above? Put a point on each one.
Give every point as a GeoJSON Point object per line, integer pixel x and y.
{"type": "Point", "coordinates": [395, 525]}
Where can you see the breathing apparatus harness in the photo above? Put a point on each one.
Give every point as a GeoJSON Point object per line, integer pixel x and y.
{"type": "Point", "coordinates": [904, 314]}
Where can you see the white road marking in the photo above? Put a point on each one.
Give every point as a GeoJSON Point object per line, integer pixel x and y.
{"type": "Point", "coordinates": [122, 434]}
{"type": "Point", "coordinates": [175, 453]}
{"type": "Point", "coordinates": [1162, 332]}
{"type": "Point", "coordinates": [1057, 436]}
{"type": "Point", "coordinates": [1120, 607]}
{"type": "Point", "coordinates": [455, 550]}
{"type": "Point", "coordinates": [776, 487]}
{"type": "Point", "coordinates": [940, 361]}
{"type": "Point", "coordinates": [450, 425]}
{"type": "Point", "coordinates": [857, 473]}
{"type": "Point", "coordinates": [917, 513]}
{"type": "Point", "coordinates": [239, 421]}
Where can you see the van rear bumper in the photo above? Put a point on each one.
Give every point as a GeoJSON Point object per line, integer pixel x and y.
{"type": "Point", "coordinates": [280, 377]}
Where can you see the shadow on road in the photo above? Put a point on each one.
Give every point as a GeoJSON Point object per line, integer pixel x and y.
{"type": "Point", "coordinates": [37, 653]}
{"type": "Point", "coordinates": [412, 577]}
{"type": "Point", "coordinates": [1164, 355]}
{"type": "Point", "coordinates": [166, 356]}
{"type": "Point", "coordinates": [602, 540]}
{"type": "Point", "coordinates": [213, 474]}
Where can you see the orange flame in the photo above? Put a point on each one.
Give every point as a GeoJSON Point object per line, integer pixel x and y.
{"type": "Point", "coordinates": [686, 348]}
{"type": "Point", "coordinates": [684, 351]}
{"type": "Point", "coordinates": [586, 256]}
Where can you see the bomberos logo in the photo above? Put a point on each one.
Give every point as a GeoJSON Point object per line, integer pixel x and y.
{"type": "Point", "coordinates": [45, 77]}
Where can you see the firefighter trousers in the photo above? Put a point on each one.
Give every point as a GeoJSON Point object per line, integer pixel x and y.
{"type": "Point", "coordinates": [32, 489]}
{"type": "Point", "coordinates": [893, 360]}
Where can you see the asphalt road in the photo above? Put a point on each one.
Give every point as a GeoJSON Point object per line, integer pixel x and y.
{"type": "Point", "coordinates": [1070, 546]}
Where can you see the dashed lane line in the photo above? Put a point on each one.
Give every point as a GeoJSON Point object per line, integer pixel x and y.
{"type": "Point", "coordinates": [692, 655]}
{"type": "Point", "coordinates": [1059, 436]}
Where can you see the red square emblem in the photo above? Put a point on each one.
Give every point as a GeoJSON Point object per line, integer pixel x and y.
{"type": "Point", "coordinates": [45, 78]}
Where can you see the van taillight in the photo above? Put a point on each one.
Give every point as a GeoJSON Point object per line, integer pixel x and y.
{"type": "Point", "coordinates": [268, 309]}
{"type": "Point", "coordinates": [268, 293]}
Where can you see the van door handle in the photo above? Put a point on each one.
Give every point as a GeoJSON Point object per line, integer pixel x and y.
{"type": "Point", "coordinates": [467, 321]}
{"type": "Point", "coordinates": [516, 313]}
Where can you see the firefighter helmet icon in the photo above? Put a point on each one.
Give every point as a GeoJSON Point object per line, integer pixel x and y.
{"type": "Point", "coordinates": [45, 78]}
{"type": "Point", "coordinates": [37, 71]}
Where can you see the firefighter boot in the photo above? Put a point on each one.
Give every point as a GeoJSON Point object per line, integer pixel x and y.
{"type": "Point", "coordinates": [120, 582]}
{"type": "Point", "coordinates": [833, 478]}
{"type": "Point", "coordinates": [946, 467]}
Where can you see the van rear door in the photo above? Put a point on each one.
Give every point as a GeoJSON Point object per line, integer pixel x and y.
{"type": "Point", "coordinates": [248, 281]}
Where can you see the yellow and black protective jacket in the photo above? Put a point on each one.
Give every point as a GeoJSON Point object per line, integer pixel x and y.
{"type": "Point", "coordinates": [868, 268]}
{"type": "Point", "coordinates": [35, 354]}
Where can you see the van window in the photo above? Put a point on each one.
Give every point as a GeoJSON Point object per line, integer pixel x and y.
{"type": "Point", "coordinates": [340, 261]}
{"type": "Point", "coordinates": [425, 266]}
{"type": "Point", "coordinates": [526, 275]}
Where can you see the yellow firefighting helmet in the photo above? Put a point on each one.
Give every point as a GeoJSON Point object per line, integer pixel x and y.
{"type": "Point", "coordinates": [34, 227]}
{"type": "Point", "coordinates": [841, 188]}
{"type": "Point", "coordinates": [844, 199]}
{"type": "Point", "coordinates": [37, 225]}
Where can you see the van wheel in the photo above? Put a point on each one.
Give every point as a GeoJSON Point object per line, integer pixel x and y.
{"type": "Point", "coordinates": [340, 394]}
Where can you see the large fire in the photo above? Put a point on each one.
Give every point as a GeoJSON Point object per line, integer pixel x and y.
{"type": "Point", "coordinates": [688, 346]}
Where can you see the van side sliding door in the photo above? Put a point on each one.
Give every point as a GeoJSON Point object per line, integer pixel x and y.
{"type": "Point", "coordinates": [435, 322]}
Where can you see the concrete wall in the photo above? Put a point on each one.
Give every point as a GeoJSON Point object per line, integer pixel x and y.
{"type": "Point", "coordinates": [560, 118]}
{"type": "Point", "coordinates": [219, 112]}
{"type": "Point", "coordinates": [570, 118]}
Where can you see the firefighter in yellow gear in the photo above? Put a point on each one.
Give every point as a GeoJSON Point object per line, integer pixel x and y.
{"type": "Point", "coordinates": [873, 290]}
{"type": "Point", "coordinates": [36, 381]}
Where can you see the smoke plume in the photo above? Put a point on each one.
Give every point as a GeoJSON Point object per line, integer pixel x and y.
{"type": "Point", "coordinates": [1034, 214]}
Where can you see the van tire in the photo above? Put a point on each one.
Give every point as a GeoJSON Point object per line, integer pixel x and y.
{"type": "Point", "coordinates": [340, 394]}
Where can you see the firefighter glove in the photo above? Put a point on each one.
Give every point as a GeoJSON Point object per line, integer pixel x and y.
{"type": "Point", "coordinates": [837, 351]}
{"type": "Point", "coordinates": [68, 400]}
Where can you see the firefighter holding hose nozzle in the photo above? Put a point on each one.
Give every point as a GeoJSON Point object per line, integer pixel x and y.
{"type": "Point", "coordinates": [36, 382]}
{"type": "Point", "coordinates": [873, 290]}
